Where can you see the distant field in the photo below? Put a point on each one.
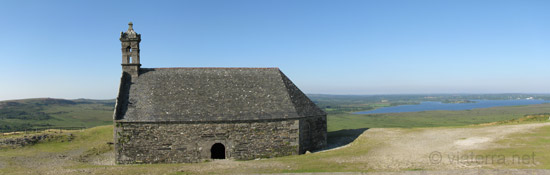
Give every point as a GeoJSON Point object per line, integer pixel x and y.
{"type": "Point", "coordinates": [30, 114]}
{"type": "Point", "coordinates": [433, 118]}
{"type": "Point", "coordinates": [51, 113]}
{"type": "Point", "coordinates": [342, 104]}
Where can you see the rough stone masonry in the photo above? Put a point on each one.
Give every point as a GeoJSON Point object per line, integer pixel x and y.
{"type": "Point", "coordinates": [173, 115]}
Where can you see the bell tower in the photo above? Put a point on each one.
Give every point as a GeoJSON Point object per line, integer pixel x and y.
{"type": "Point", "coordinates": [130, 51]}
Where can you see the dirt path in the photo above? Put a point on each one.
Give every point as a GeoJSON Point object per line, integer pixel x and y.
{"type": "Point", "coordinates": [433, 148]}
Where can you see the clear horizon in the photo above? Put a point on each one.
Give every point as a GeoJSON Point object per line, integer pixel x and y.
{"type": "Point", "coordinates": [317, 94]}
{"type": "Point", "coordinates": [70, 49]}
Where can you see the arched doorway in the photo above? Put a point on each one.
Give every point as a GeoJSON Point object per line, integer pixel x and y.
{"type": "Point", "coordinates": [217, 151]}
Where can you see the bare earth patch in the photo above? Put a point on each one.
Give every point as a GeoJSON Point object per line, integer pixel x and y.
{"type": "Point", "coordinates": [432, 148]}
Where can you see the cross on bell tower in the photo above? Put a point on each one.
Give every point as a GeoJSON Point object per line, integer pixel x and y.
{"type": "Point", "coordinates": [130, 51]}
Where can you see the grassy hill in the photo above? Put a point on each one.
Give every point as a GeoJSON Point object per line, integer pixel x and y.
{"type": "Point", "coordinates": [28, 114]}
{"type": "Point", "coordinates": [87, 152]}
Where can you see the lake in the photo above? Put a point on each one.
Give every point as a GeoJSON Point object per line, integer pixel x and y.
{"type": "Point", "coordinates": [432, 106]}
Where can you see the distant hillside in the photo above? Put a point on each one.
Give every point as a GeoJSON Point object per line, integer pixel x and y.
{"type": "Point", "coordinates": [16, 115]}
{"type": "Point", "coordinates": [26, 114]}
{"type": "Point", "coordinates": [341, 104]}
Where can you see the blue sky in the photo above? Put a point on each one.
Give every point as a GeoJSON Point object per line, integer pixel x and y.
{"type": "Point", "coordinates": [70, 49]}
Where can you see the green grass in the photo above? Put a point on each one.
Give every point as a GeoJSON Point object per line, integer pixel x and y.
{"type": "Point", "coordinates": [37, 158]}
{"type": "Point", "coordinates": [84, 115]}
{"type": "Point", "coordinates": [28, 114]}
{"type": "Point", "coordinates": [87, 139]}
{"type": "Point", "coordinates": [433, 118]}
{"type": "Point", "coordinates": [91, 143]}
{"type": "Point", "coordinates": [341, 104]}
{"type": "Point", "coordinates": [532, 146]}
{"type": "Point", "coordinates": [531, 118]}
{"type": "Point", "coordinates": [341, 160]}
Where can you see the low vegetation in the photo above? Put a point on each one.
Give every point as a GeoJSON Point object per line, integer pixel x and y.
{"type": "Point", "coordinates": [530, 118]}
{"type": "Point", "coordinates": [526, 150]}
{"type": "Point", "coordinates": [90, 150]}
{"type": "Point", "coordinates": [344, 104]}
{"type": "Point", "coordinates": [44, 113]}
{"type": "Point", "coordinates": [31, 114]}
{"type": "Point", "coordinates": [433, 118]}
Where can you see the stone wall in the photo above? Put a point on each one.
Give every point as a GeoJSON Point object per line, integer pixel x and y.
{"type": "Point", "coordinates": [175, 142]}
{"type": "Point", "coordinates": [313, 133]}
{"type": "Point", "coordinates": [27, 140]}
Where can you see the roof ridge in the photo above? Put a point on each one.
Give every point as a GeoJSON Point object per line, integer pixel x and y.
{"type": "Point", "coordinates": [288, 94]}
{"type": "Point", "coordinates": [294, 92]}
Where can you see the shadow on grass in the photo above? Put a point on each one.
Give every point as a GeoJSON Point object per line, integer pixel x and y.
{"type": "Point", "coordinates": [342, 137]}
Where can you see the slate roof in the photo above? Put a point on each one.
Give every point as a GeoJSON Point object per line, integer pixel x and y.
{"type": "Point", "coordinates": [211, 94]}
